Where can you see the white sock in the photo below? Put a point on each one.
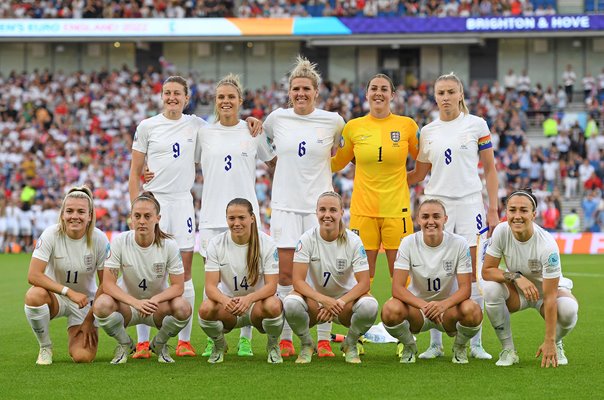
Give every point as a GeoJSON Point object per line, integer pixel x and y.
{"type": "Point", "coordinates": [401, 332]}
{"type": "Point", "coordinates": [143, 332]}
{"type": "Point", "coordinates": [436, 338]}
{"type": "Point", "coordinates": [170, 327]}
{"type": "Point", "coordinates": [296, 313]}
{"type": "Point", "coordinates": [324, 331]}
{"type": "Point", "coordinates": [189, 295]}
{"type": "Point", "coordinates": [246, 332]}
{"type": "Point", "coordinates": [282, 292]}
{"type": "Point", "coordinates": [568, 313]}
{"type": "Point", "coordinates": [39, 320]}
{"type": "Point", "coordinates": [273, 328]}
{"type": "Point", "coordinates": [495, 295]}
{"type": "Point", "coordinates": [214, 329]}
{"type": "Point", "coordinates": [364, 313]}
{"type": "Point", "coordinates": [476, 340]}
{"type": "Point", "coordinates": [114, 326]}
{"type": "Point", "coordinates": [465, 333]}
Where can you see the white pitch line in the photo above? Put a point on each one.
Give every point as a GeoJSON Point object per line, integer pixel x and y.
{"type": "Point", "coordinates": [583, 274]}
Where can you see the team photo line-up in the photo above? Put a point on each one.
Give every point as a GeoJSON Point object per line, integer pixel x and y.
{"type": "Point", "coordinates": [310, 270]}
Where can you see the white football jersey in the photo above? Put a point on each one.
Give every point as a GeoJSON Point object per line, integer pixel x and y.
{"type": "Point", "coordinates": [71, 262]}
{"type": "Point", "coordinates": [535, 259]}
{"type": "Point", "coordinates": [228, 161]}
{"type": "Point", "coordinates": [145, 270]}
{"type": "Point", "coordinates": [303, 144]}
{"type": "Point", "coordinates": [452, 149]}
{"type": "Point", "coordinates": [434, 270]}
{"type": "Point", "coordinates": [170, 146]}
{"type": "Point", "coordinates": [230, 259]}
{"type": "Point", "coordinates": [331, 266]}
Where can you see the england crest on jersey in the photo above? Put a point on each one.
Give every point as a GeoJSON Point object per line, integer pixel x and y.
{"type": "Point", "coordinates": [448, 266]}
{"type": "Point", "coordinates": [88, 262]}
{"type": "Point", "coordinates": [395, 136]}
{"type": "Point", "coordinates": [340, 265]}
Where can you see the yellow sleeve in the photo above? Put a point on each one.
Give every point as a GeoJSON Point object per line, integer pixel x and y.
{"type": "Point", "coordinates": [413, 139]}
{"type": "Point", "coordinates": [345, 152]}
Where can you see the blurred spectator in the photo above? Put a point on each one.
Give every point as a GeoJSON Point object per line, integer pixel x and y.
{"type": "Point", "coordinates": [569, 78]}
{"type": "Point", "coordinates": [571, 222]}
{"type": "Point", "coordinates": [551, 217]}
{"type": "Point", "coordinates": [590, 205]}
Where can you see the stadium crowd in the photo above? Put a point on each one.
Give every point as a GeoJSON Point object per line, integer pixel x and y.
{"type": "Point", "coordinates": [269, 8]}
{"type": "Point", "coordinates": [60, 130]}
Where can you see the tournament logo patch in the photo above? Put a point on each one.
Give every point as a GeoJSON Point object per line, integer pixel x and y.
{"type": "Point", "coordinates": [448, 266]}
{"type": "Point", "coordinates": [535, 266]}
{"type": "Point", "coordinates": [395, 136]}
{"type": "Point", "coordinates": [340, 264]}
{"type": "Point", "coordinates": [553, 260]}
{"type": "Point", "coordinates": [88, 262]}
{"type": "Point", "coordinates": [108, 251]}
{"type": "Point", "coordinates": [363, 252]}
{"type": "Point", "coordinates": [299, 246]}
{"type": "Point", "coordinates": [341, 141]}
{"type": "Point", "coordinates": [276, 255]}
{"type": "Point", "coordinates": [39, 243]}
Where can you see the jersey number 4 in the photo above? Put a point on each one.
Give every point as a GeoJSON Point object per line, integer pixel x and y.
{"type": "Point", "coordinates": [143, 284]}
{"type": "Point", "coordinates": [243, 284]}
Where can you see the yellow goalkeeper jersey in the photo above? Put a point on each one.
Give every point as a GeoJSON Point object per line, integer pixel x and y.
{"type": "Point", "coordinates": [380, 148]}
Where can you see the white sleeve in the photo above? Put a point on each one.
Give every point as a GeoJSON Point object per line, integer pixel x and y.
{"type": "Point", "coordinates": [212, 263]}
{"type": "Point", "coordinates": [102, 250]}
{"type": "Point", "coordinates": [268, 125]}
{"type": "Point", "coordinates": [495, 248]}
{"type": "Point", "coordinates": [197, 156]}
{"type": "Point", "coordinates": [550, 259]}
{"type": "Point", "coordinates": [174, 261]}
{"type": "Point", "coordinates": [359, 257]}
{"type": "Point", "coordinates": [303, 250]}
{"type": "Point", "coordinates": [464, 259]}
{"type": "Point", "coordinates": [115, 253]}
{"type": "Point", "coordinates": [141, 138]}
{"type": "Point", "coordinates": [402, 255]}
{"type": "Point", "coordinates": [270, 259]}
{"type": "Point", "coordinates": [265, 150]}
{"type": "Point", "coordinates": [45, 244]}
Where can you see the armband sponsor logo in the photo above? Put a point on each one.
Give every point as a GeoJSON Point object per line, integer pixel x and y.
{"type": "Point", "coordinates": [535, 266]}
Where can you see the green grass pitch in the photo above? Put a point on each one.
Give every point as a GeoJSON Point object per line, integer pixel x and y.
{"type": "Point", "coordinates": [380, 376]}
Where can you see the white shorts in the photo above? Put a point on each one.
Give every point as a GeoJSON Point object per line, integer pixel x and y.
{"type": "Point", "coordinates": [12, 227]}
{"type": "Point", "coordinates": [178, 218]}
{"type": "Point", "coordinates": [67, 308]}
{"type": "Point", "coordinates": [140, 319]}
{"type": "Point", "coordinates": [467, 216]}
{"type": "Point", "coordinates": [207, 234]}
{"type": "Point", "coordinates": [26, 230]}
{"type": "Point", "coordinates": [2, 225]}
{"type": "Point", "coordinates": [564, 283]}
{"type": "Point", "coordinates": [287, 227]}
